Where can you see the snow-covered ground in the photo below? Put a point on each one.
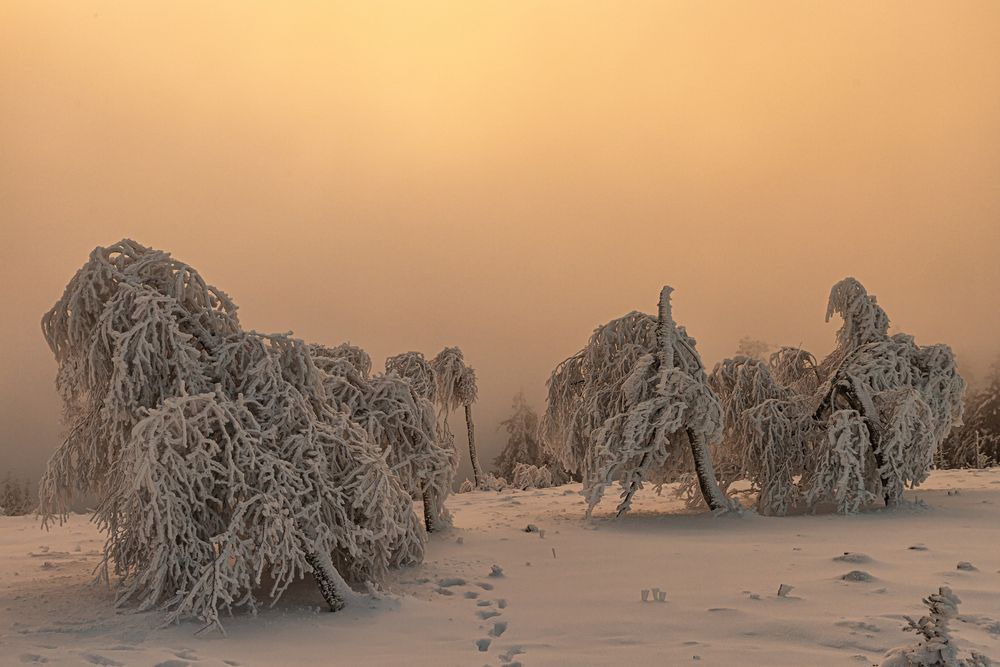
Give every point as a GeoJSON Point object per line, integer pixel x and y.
{"type": "Point", "coordinates": [569, 594]}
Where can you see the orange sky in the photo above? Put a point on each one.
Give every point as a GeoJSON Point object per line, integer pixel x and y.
{"type": "Point", "coordinates": [503, 176]}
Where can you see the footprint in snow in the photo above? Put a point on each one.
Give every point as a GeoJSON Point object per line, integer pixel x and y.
{"type": "Point", "coordinates": [499, 627]}
{"type": "Point", "coordinates": [95, 659]}
{"type": "Point", "coordinates": [447, 582]}
{"type": "Point", "coordinates": [511, 652]}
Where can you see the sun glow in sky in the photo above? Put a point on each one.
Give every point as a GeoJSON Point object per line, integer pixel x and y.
{"type": "Point", "coordinates": [504, 176]}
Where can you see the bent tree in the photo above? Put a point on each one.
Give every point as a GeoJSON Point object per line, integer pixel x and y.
{"type": "Point", "coordinates": [417, 371]}
{"type": "Point", "coordinates": [633, 406]}
{"type": "Point", "coordinates": [218, 457]}
{"type": "Point", "coordinates": [456, 387]}
{"type": "Point", "coordinates": [862, 424]}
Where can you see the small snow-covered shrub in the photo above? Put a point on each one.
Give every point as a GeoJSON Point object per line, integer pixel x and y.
{"type": "Point", "coordinates": [493, 483]}
{"type": "Point", "coordinates": [634, 406]}
{"type": "Point", "coordinates": [864, 423]}
{"type": "Point", "coordinates": [219, 457]}
{"type": "Point", "coordinates": [935, 646]}
{"type": "Point", "coordinates": [528, 476]}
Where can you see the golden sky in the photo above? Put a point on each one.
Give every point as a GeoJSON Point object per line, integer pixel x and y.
{"type": "Point", "coordinates": [503, 176]}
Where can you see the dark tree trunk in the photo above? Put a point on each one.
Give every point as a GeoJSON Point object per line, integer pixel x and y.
{"type": "Point", "coordinates": [477, 472]}
{"type": "Point", "coordinates": [428, 512]}
{"type": "Point", "coordinates": [325, 582]}
{"type": "Point", "coordinates": [633, 485]}
{"type": "Point", "coordinates": [703, 468]}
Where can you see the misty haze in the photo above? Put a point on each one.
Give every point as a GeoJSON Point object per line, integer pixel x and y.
{"type": "Point", "coordinates": [517, 334]}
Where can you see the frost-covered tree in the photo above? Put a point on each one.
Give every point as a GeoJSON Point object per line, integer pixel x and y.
{"type": "Point", "coordinates": [529, 476]}
{"type": "Point", "coordinates": [976, 444]}
{"type": "Point", "coordinates": [752, 347]}
{"type": "Point", "coordinates": [435, 464]}
{"type": "Point", "coordinates": [398, 415]}
{"type": "Point", "coordinates": [218, 456]}
{"type": "Point", "coordinates": [862, 424]}
{"type": "Point", "coordinates": [765, 427]}
{"type": "Point", "coordinates": [456, 387]}
{"type": "Point", "coordinates": [935, 647]}
{"type": "Point", "coordinates": [524, 448]}
{"type": "Point", "coordinates": [15, 497]}
{"type": "Point", "coordinates": [633, 406]}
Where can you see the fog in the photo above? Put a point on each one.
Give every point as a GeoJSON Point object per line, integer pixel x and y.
{"type": "Point", "coordinates": [503, 176]}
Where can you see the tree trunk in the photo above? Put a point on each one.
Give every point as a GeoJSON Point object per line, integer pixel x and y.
{"type": "Point", "coordinates": [477, 472]}
{"type": "Point", "coordinates": [633, 486]}
{"type": "Point", "coordinates": [327, 587]}
{"type": "Point", "coordinates": [703, 467]}
{"type": "Point", "coordinates": [428, 512]}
